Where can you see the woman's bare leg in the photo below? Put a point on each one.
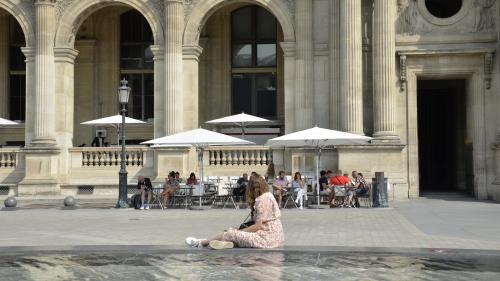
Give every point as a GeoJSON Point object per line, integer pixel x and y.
{"type": "Point", "coordinates": [143, 195]}
{"type": "Point", "coordinates": [205, 242]}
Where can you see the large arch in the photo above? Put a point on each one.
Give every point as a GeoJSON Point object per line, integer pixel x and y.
{"type": "Point", "coordinates": [204, 9]}
{"type": "Point", "coordinates": [76, 13]}
{"type": "Point", "coordinates": [23, 20]}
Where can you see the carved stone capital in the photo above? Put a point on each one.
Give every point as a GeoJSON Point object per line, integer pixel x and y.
{"type": "Point", "coordinates": [288, 48]}
{"type": "Point", "coordinates": [158, 52]}
{"type": "Point", "coordinates": [65, 55]}
{"type": "Point", "coordinates": [191, 52]}
{"type": "Point", "coordinates": [29, 53]}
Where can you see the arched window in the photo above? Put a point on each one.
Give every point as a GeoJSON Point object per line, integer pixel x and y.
{"type": "Point", "coordinates": [136, 63]}
{"type": "Point", "coordinates": [254, 64]}
{"type": "Point", "coordinates": [17, 72]}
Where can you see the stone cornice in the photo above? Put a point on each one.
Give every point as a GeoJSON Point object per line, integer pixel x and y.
{"type": "Point", "coordinates": [45, 2]}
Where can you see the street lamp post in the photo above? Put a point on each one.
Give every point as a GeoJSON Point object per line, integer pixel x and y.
{"type": "Point", "coordinates": [123, 95]}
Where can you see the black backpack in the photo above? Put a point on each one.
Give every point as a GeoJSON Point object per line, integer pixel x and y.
{"type": "Point", "coordinates": [135, 201]}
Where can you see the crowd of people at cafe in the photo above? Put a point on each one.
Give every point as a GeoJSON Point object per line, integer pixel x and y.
{"type": "Point", "coordinates": [341, 190]}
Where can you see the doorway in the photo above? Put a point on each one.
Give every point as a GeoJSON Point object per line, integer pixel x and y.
{"type": "Point", "coordinates": [445, 156]}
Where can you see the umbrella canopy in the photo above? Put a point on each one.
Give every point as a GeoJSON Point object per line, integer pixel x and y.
{"type": "Point", "coordinates": [241, 120]}
{"type": "Point", "coordinates": [112, 121]}
{"type": "Point", "coordinates": [317, 138]}
{"type": "Point", "coordinates": [238, 119]}
{"type": "Point", "coordinates": [5, 122]}
{"type": "Point", "coordinates": [198, 138]}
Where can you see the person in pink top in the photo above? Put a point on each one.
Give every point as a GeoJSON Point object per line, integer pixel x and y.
{"type": "Point", "coordinates": [266, 232]}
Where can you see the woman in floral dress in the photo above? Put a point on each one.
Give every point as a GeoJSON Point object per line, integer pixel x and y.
{"type": "Point", "coordinates": [267, 232]}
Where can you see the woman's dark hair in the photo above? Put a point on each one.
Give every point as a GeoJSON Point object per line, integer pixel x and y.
{"type": "Point", "coordinates": [192, 175]}
{"type": "Point", "coordinates": [322, 173]}
{"type": "Point", "coordinates": [297, 175]}
{"type": "Point", "coordinates": [147, 183]}
{"type": "Point", "coordinates": [172, 174]}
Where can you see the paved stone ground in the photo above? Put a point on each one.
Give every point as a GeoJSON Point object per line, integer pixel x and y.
{"type": "Point", "coordinates": [424, 223]}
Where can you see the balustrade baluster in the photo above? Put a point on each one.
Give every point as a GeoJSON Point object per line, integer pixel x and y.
{"type": "Point", "coordinates": [232, 158]}
{"type": "Point", "coordinates": [134, 156]}
{"type": "Point", "coordinates": [264, 158]}
{"type": "Point", "coordinates": [2, 160]}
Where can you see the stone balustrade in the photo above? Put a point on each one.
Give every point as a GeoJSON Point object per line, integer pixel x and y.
{"type": "Point", "coordinates": [110, 156]}
{"type": "Point", "coordinates": [8, 157]}
{"type": "Point", "coordinates": [239, 156]}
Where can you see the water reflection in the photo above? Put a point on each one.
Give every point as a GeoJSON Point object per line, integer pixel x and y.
{"type": "Point", "coordinates": [247, 265]}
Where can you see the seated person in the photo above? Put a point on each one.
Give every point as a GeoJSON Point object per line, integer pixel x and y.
{"type": "Point", "coordinates": [169, 188]}
{"type": "Point", "coordinates": [360, 187]}
{"type": "Point", "coordinates": [192, 180]}
{"type": "Point", "coordinates": [145, 188]}
{"type": "Point", "coordinates": [178, 177]}
{"type": "Point", "coordinates": [241, 188]}
{"type": "Point", "coordinates": [298, 187]}
{"type": "Point", "coordinates": [98, 141]}
{"type": "Point", "coordinates": [337, 180]}
{"type": "Point", "coordinates": [279, 186]}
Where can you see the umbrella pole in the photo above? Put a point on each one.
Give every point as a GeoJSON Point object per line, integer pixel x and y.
{"type": "Point", "coordinates": [200, 161]}
{"type": "Point", "coordinates": [318, 159]}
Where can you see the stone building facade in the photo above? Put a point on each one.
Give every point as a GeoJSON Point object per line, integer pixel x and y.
{"type": "Point", "coordinates": [418, 76]}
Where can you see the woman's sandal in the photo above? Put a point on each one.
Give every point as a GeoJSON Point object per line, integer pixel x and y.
{"type": "Point", "coordinates": [220, 245]}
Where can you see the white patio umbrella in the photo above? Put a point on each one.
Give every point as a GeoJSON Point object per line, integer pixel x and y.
{"type": "Point", "coordinates": [200, 139]}
{"type": "Point", "coordinates": [6, 122]}
{"type": "Point", "coordinates": [317, 138]}
{"type": "Point", "coordinates": [241, 120]}
{"type": "Point", "coordinates": [113, 121]}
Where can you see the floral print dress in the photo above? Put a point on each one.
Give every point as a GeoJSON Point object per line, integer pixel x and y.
{"type": "Point", "coordinates": [270, 236]}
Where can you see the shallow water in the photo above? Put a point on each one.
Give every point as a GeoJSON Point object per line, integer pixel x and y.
{"type": "Point", "coordinates": [248, 265]}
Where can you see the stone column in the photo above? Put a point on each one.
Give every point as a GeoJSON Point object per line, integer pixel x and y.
{"type": "Point", "coordinates": [4, 64]}
{"type": "Point", "coordinates": [304, 97]}
{"type": "Point", "coordinates": [351, 87]}
{"type": "Point", "coordinates": [384, 71]}
{"type": "Point", "coordinates": [191, 55]}
{"type": "Point", "coordinates": [44, 62]}
{"type": "Point", "coordinates": [64, 111]}
{"type": "Point", "coordinates": [334, 65]}
{"type": "Point", "coordinates": [289, 76]}
{"type": "Point", "coordinates": [29, 123]}
{"type": "Point", "coordinates": [159, 91]}
{"type": "Point", "coordinates": [174, 23]}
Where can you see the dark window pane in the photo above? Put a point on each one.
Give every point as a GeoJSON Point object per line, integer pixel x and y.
{"type": "Point", "coordinates": [17, 59]}
{"type": "Point", "coordinates": [148, 96]}
{"type": "Point", "coordinates": [241, 28]}
{"type": "Point", "coordinates": [148, 58]}
{"type": "Point", "coordinates": [266, 55]}
{"type": "Point", "coordinates": [242, 55]}
{"type": "Point", "coordinates": [131, 26]}
{"type": "Point", "coordinates": [266, 24]}
{"type": "Point", "coordinates": [16, 34]}
{"type": "Point", "coordinates": [265, 84]}
{"type": "Point", "coordinates": [242, 93]}
{"type": "Point", "coordinates": [17, 97]}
